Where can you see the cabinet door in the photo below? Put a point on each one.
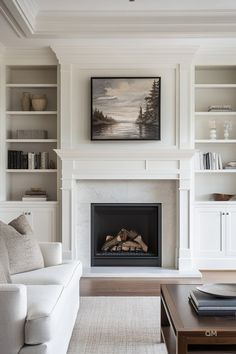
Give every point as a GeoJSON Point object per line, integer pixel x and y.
{"type": "Point", "coordinates": [44, 222]}
{"type": "Point", "coordinates": [209, 238]}
{"type": "Point", "coordinates": [231, 231]}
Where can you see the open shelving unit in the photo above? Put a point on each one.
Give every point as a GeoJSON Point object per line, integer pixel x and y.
{"type": "Point", "coordinates": [35, 80]}
{"type": "Point", "coordinates": [215, 85]}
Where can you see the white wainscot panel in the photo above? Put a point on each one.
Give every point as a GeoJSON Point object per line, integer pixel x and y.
{"type": "Point", "coordinates": [109, 165]}
{"type": "Point", "coordinates": [162, 165]}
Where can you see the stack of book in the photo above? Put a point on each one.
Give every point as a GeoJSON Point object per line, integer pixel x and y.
{"type": "Point", "coordinates": [220, 108]}
{"type": "Point", "coordinates": [35, 195]}
{"type": "Point", "coordinates": [209, 305]}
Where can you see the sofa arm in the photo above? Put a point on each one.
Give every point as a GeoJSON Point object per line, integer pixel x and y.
{"type": "Point", "coordinates": [52, 253]}
{"type": "Point", "coordinates": [13, 311]}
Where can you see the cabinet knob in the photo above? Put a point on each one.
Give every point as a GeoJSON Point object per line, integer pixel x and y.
{"type": "Point", "coordinates": [223, 213]}
{"type": "Point", "coordinates": [227, 213]}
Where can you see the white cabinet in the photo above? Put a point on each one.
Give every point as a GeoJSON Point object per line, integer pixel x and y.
{"type": "Point", "coordinates": [214, 242]}
{"type": "Point", "coordinates": [41, 216]}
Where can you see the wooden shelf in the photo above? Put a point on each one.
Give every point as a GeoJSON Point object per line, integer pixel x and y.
{"type": "Point", "coordinates": [31, 171]}
{"type": "Point", "coordinates": [31, 113]}
{"type": "Point", "coordinates": [216, 141]}
{"type": "Point", "coordinates": [31, 140]}
{"type": "Point", "coordinates": [32, 85]}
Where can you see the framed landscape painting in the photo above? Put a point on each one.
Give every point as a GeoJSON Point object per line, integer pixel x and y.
{"type": "Point", "coordinates": [125, 108]}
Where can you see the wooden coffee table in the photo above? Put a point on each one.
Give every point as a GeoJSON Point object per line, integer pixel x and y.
{"type": "Point", "coordinates": [183, 331]}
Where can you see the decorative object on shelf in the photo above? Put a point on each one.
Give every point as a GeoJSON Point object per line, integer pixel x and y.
{"type": "Point", "coordinates": [52, 165]}
{"type": "Point", "coordinates": [26, 101]}
{"type": "Point", "coordinates": [212, 126]}
{"type": "Point", "coordinates": [230, 165]}
{"type": "Point", "coordinates": [125, 108]}
{"type": "Point", "coordinates": [220, 108]}
{"type": "Point", "coordinates": [227, 128]}
{"type": "Point", "coordinates": [29, 134]}
{"type": "Point", "coordinates": [39, 102]}
{"type": "Point", "coordinates": [220, 197]}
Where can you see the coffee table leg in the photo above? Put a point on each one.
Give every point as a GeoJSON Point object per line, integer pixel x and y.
{"type": "Point", "coordinates": [182, 346]}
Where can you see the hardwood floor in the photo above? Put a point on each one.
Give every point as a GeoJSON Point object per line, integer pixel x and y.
{"type": "Point", "coordinates": [147, 286]}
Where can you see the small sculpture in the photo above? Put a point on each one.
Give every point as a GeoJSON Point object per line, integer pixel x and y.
{"type": "Point", "coordinates": [212, 126]}
{"type": "Point", "coordinates": [227, 128]}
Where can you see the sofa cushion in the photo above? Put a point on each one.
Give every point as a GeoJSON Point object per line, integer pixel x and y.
{"type": "Point", "coordinates": [42, 312]}
{"type": "Point", "coordinates": [21, 225]}
{"type": "Point", "coordinates": [23, 250]}
{"type": "Point", "coordinates": [4, 263]}
{"type": "Point", "coordinates": [58, 275]}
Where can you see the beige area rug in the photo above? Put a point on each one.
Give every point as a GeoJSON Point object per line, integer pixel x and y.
{"type": "Point", "coordinates": [117, 325]}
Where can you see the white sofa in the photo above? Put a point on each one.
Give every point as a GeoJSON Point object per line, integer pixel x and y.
{"type": "Point", "coordinates": [38, 310]}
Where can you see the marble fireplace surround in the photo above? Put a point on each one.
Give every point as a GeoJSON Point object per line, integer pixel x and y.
{"type": "Point", "coordinates": [108, 176]}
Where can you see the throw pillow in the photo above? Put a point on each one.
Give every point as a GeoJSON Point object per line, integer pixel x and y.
{"type": "Point", "coordinates": [4, 264]}
{"type": "Point", "coordinates": [21, 225]}
{"type": "Point", "coordinates": [23, 250]}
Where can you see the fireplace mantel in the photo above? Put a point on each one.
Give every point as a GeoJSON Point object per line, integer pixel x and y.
{"type": "Point", "coordinates": [125, 164]}
{"type": "Point", "coordinates": [132, 164]}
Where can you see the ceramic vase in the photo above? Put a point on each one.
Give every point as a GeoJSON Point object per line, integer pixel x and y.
{"type": "Point", "coordinates": [26, 101]}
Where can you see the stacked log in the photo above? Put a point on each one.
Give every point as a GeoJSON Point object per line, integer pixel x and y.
{"type": "Point", "coordinates": [125, 241]}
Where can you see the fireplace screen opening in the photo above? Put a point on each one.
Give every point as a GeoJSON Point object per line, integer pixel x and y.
{"type": "Point", "coordinates": [126, 234]}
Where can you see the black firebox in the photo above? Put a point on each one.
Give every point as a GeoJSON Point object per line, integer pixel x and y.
{"type": "Point", "coordinates": [125, 234]}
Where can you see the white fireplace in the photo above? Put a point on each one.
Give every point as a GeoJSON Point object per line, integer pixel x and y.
{"type": "Point", "coordinates": [102, 176]}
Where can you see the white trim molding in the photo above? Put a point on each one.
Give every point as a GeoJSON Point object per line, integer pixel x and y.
{"type": "Point", "coordinates": [28, 20]}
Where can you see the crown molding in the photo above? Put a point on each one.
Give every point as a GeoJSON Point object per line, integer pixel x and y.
{"type": "Point", "coordinates": [162, 23]}
{"type": "Point", "coordinates": [11, 20]}
{"type": "Point", "coordinates": [26, 19]}
{"type": "Point", "coordinates": [137, 54]}
{"type": "Point", "coordinates": [22, 14]}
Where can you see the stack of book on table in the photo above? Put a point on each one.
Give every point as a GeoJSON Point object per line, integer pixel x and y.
{"type": "Point", "coordinates": [209, 305]}
{"type": "Point", "coordinates": [35, 195]}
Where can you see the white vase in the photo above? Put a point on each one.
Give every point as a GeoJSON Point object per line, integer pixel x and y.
{"type": "Point", "coordinates": [213, 133]}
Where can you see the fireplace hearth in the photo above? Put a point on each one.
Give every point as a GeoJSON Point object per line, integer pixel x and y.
{"type": "Point", "coordinates": [126, 234]}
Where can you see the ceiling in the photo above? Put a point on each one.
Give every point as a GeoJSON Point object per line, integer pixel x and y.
{"type": "Point", "coordinates": [137, 5]}
{"type": "Point", "coordinates": [41, 22]}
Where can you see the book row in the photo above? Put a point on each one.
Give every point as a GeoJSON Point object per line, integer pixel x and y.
{"type": "Point", "coordinates": [29, 160]}
{"type": "Point", "coordinates": [208, 161]}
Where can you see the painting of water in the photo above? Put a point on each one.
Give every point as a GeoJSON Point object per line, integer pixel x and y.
{"type": "Point", "coordinates": [125, 108]}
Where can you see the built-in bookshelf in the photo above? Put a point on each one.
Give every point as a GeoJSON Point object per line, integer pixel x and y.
{"type": "Point", "coordinates": [215, 131]}
{"type": "Point", "coordinates": [31, 135]}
